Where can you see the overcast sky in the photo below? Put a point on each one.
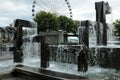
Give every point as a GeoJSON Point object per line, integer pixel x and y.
{"type": "Point", "coordinates": [82, 10]}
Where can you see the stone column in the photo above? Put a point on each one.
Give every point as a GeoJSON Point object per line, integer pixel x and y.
{"type": "Point", "coordinates": [18, 55]}
{"type": "Point", "coordinates": [44, 55]}
{"type": "Point", "coordinates": [101, 11]}
{"type": "Point", "coordinates": [84, 42]}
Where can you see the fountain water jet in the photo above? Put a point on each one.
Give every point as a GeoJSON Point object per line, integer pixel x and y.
{"type": "Point", "coordinates": [99, 55]}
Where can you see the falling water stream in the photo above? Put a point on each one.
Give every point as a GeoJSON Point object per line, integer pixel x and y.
{"type": "Point", "coordinates": [31, 50]}
{"type": "Point", "coordinates": [59, 58]}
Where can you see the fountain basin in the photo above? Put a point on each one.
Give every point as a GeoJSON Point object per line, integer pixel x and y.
{"type": "Point", "coordinates": [9, 76]}
{"type": "Point", "coordinates": [105, 56]}
{"type": "Point", "coordinates": [27, 73]}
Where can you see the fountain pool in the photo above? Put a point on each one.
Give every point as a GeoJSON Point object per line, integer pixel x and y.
{"type": "Point", "coordinates": [93, 73]}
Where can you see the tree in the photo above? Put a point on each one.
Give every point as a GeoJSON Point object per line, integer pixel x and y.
{"type": "Point", "coordinates": [117, 25]}
{"type": "Point", "coordinates": [76, 25]}
{"type": "Point", "coordinates": [47, 21]}
{"type": "Point", "coordinates": [68, 24]}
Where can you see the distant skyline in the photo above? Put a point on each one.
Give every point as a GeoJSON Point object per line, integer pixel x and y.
{"type": "Point", "coordinates": [82, 10]}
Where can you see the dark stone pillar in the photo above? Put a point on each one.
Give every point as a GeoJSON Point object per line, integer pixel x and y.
{"type": "Point", "coordinates": [18, 38]}
{"type": "Point", "coordinates": [18, 56]}
{"type": "Point", "coordinates": [17, 44]}
{"type": "Point", "coordinates": [85, 35]}
{"type": "Point", "coordinates": [44, 53]}
{"type": "Point", "coordinates": [99, 33]}
{"type": "Point", "coordinates": [105, 34]}
{"type": "Point", "coordinates": [101, 18]}
{"type": "Point", "coordinates": [84, 42]}
{"type": "Point", "coordinates": [44, 56]}
{"type": "Point", "coordinates": [82, 60]}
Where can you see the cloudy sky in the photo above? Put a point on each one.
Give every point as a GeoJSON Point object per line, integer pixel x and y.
{"type": "Point", "coordinates": [82, 10]}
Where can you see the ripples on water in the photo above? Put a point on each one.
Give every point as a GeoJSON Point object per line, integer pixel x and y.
{"type": "Point", "coordinates": [94, 73]}
{"type": "Point", "coordinates": [6, 65]}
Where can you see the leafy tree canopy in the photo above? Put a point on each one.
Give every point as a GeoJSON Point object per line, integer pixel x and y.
{"type": "Point", "coordinates": [117, 25]}
{"type": "Point", "coordinates": [47, 21]}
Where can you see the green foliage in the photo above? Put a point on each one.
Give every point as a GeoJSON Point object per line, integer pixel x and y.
{"type": "Point", "coordinates": [47, 21]}
{"type": "Point", "coordinates": [117, 25]}
{"type": "Point", "coordinates": [76, 25]}
{"type": "Point", "coordinates": [68, 24]}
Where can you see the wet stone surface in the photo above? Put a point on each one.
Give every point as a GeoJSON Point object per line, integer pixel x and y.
{"type": "Point", "coordinates": [14, 78]}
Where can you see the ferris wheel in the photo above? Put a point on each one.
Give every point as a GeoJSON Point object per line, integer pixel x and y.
{"type": "Point", "coordinates": [57, 7]}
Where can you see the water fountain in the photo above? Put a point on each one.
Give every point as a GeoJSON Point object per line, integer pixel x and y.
{"type": "Point", "coordinates": [70, 61]}
{"type": "Point", "coordinates": [100, 53]}
{"type": "Point", "coordinates": [6, 42]}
